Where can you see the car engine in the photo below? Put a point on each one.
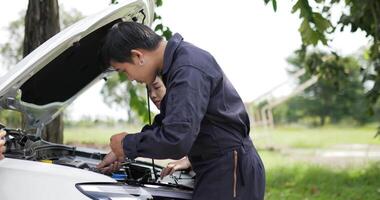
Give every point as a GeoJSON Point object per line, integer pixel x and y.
{"type": "Point", "coordinates": [134, 173]}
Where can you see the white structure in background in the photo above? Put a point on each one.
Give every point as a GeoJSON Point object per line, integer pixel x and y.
{"type": "Point", "coordinates": [263, 116]}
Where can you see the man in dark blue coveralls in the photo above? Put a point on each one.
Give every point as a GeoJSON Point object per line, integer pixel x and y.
{"type": "Point", "coordinates": [203, 115]}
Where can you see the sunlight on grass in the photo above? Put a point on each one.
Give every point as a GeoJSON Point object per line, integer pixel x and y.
{"type": "Point", "coordinates": [296, 137]}
{"type": "Point", "coordinates": [94, 135]}
{"type": "Point", "coordinates": [322, 183]}
{"type": "Point", "coordinates": [301, 137]}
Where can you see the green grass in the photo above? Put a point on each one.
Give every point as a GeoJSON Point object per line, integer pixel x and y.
{"type": "Point", "coordinates": [322, 183]}
{"type": "Point", "coordinates": [296, 137]}
{"type": "Point", "coordinates": [97, 135]}
{"type": "Point", "coordinates": [290, 179]}
{"type": "Point", "coordinates": [302, 137]}
{"type": "Point", "coordinates": [272, 159]}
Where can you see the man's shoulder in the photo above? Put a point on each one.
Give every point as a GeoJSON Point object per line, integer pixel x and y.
{"type": "Point", "coordinates": [191, 56]}
{"type": "Point", "coordinates": [193, 53]}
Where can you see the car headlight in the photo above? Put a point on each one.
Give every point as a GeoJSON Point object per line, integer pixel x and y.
{"type": "Point", "coordinates": [113, 191]}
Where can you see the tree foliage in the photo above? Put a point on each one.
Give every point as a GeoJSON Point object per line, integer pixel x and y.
{"type": "Point", "coordinates": [317, 26]}
{"type": "Point", "coordinates": [127, 96]}
{"type": "Point", "coordinates": [339, 93]}
{"type": "Point", "coordinates": [11, 51]}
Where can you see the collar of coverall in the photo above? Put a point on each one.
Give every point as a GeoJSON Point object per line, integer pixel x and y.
{"type": "Point", "coordinates": [171, 46]}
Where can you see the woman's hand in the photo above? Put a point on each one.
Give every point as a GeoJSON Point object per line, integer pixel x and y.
{"type": "Point", "coordinates": [177, 165]}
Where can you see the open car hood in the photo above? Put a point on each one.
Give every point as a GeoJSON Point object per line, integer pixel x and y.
{"type": "Point", "coordinates": [46, 81]}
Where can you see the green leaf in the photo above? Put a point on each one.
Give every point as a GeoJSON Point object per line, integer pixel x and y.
{"type": "Point", "coordinates": [321, 23]}
{"type": "Point", "coordinates": [296, 6]}
{"type": "Point", "coordinates": [367, 55]}
{"type": "Point", "coordinates": [157, 17]}
{"type": "Point", "coordinates": [326, 8]}
{"type": "Point", "coordinates": [274, 4]}
{"type": "Point", "coordinates": [309, 36]}
{"type": "Point", "coordinates": [167, 34]}
{"type": "Point", "coordinates": [159, 27]}
{"type": "Point", "coordinates": [371, 77]}
{"type": "Point", "coordinates": [158, 3]}
{"type": "Point", "coordinates": [305, 9]}
{"type": "Point", "coordinates": [138, 104]}
{"type": "Point", "coordinates": [122, 77]}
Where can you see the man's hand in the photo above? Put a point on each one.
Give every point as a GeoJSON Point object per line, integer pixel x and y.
{"type": "Point", "coordinates": [116, 144]}
{"type": "Point", "coordinates": [112, 161]}
{"type": "Point", "coordinates": [2, 144]}
{"type": "Point", "coordinates": [109, 164]}
{"type": "Point", "coordinates": [184, 163]}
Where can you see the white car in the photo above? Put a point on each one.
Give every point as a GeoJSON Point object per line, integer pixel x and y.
{"type": "Point", "coordinates": [41, 86]}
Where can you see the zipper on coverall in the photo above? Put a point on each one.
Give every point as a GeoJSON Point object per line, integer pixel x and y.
{"type": "Point", "coordinates": [235, 173]}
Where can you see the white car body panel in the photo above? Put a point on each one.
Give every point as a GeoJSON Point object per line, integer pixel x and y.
{"type": "Point", "coordinates": [21, 179]}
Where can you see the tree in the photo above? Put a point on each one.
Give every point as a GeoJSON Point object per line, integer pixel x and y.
{"type": "Point", "coordinates": [317, 26]}
{"type": "Point", "coordinates": [337, 95]}
{"type": "Point", "coordinates": [38, 29]}
{"type": "Point", "coordinates": [131, 97]}
{"type": "Point", "coordinates": [41, 23]}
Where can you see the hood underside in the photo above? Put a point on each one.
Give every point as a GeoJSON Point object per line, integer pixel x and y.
{"type": "Point", "coordinates": [68, 73]}
{"type": "Point", "coordinates": [46, 81]}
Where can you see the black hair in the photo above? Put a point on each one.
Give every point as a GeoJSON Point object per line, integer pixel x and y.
{"type": "Point", "coordinates": [125, 36]}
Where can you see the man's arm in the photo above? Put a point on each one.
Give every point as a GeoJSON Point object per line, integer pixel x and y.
{"type": "Point", "coordinates": [188, 94]}
{"type": "Point", "coordinates": [156, 122]}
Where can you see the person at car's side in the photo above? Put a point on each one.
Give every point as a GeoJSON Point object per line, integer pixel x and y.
{"type": "Point", "coordinates": [156, 91]}
{"type": "Point", "coordinates": [2, 144]}
{"type": "Point", "coordinates": [204, 117]}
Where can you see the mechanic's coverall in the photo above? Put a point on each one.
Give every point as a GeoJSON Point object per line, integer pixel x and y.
{"type": "Point", "coordinates": [204, 118]}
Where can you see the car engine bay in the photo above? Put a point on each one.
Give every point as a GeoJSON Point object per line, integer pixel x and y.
{"type": "Point", "coordinates": [133, 173]}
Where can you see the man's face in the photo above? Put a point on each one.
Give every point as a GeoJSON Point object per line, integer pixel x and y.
{"type": "Point", "coordinates": [140, 69]}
